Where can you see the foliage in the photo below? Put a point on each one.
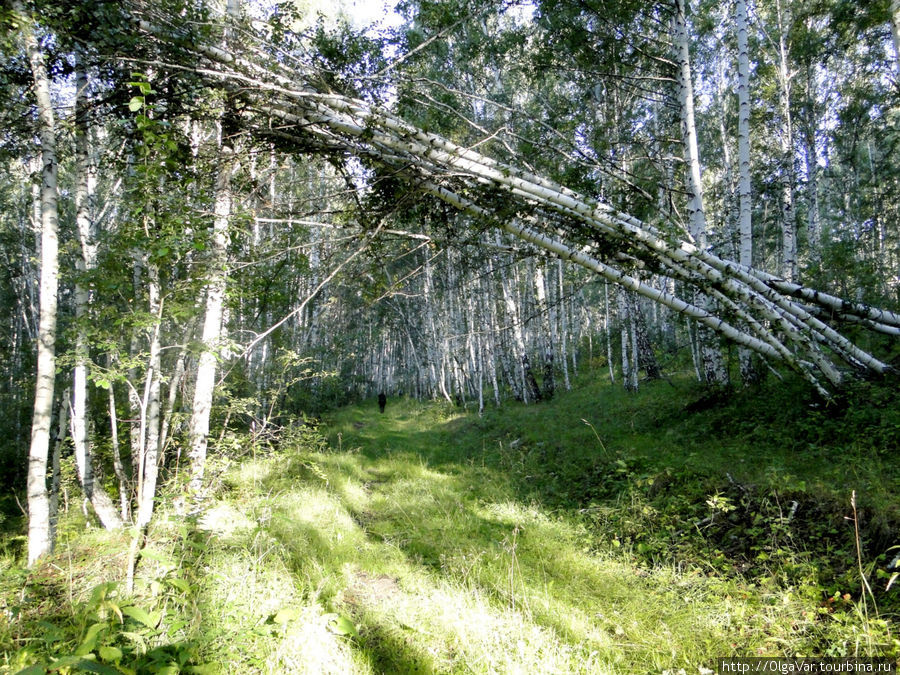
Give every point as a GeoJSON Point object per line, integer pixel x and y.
{"type": "Point", "coordinates": [107, 631]}
{"type": "Point", "coordinates": [427, 537]}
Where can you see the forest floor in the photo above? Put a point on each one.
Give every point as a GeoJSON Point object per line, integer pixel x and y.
{"type": "Point", "coordinates": [600, 532]}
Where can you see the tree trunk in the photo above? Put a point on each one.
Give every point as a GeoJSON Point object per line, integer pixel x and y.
{"type": "Point", "coordinates": [100, 501]}
{"type": "Point", "coordinates": [745, 204]}
{"type": "Point", "coordinates": [39, 539]}
{"type": "Point", "coordinates": [198, 432]}
{"type": "Point", "coordinates": [714, 370]}
{"type": "Point", "coordinates": [518, 380]}
{"type": "Point", "coordinates": [562, 312]}
{"type": "Point", "coordinates": [788, 269]}
{"type": "Point", "coordinates": [608, 331]}
{"type": "Point", "coordinates": [546, 339]}
{"type": "Point", "coordinates": [55, 472]}
{"type": "Point", "coordinates": [530, 380]}
{"type": "Point", "coordinates": [645, 357]}
{"type": "Point", "coordinates": [895, 34]}
{"type": "Point", "coordinates": [148, 455]}
{"type": "Point", "coordinates": [630, 378]}
{"type": "Point", "coordinates": [212, 326]}
{"type": "Point", "coordinates": [118, 467]}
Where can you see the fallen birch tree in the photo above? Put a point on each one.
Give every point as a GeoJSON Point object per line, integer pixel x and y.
{"type": "Point", "coordinates": [782, 321]}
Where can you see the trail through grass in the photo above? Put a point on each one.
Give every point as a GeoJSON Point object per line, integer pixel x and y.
{"type": "Point", "coordinates": [593, 534]}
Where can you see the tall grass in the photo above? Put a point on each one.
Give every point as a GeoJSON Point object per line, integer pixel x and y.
{"type": "Point", "coordinates": [597, 533]}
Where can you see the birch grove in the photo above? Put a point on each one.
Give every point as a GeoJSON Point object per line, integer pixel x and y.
{"type": "Point", "coordinates": [265, 224]}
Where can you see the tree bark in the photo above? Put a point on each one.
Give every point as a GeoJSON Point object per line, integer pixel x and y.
{"type": "Point", "coordinates": [546, 339]}
{"type": "Point", "coordinates": [118, 466]}
{"type": "Point", "coordinates": [100, 501]}
{"type": "Point", "coordinates": [630, 377]}
{"type": "Point", "coordinates": [55, 470]}
{"type": "Point", "coordinates": [714, 370]}
{"type": "Point", "coordinates": [39, 539]}
{"type": "Point", "coordinates": [895, 34]}
{"type": "Point", "coordinates": [645, 357]}
{"type": "Point", "coordinates": [786, 136]}
{"type": "Point", "coordinates": [564, 332]}
{"type": "Point", "coordinates": [608, 331]}
{"type": "Point", "coordinates": [212, 325]}
{"type": "Point", "coordinates": [745, 204]}
{"type": "Point", "coordinates": [148, 454]}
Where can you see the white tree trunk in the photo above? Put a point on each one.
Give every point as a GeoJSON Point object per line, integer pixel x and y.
{"type": "Point", "coordinates": [714, 367]}
{"type": "Point", "coordinates": [562, 312]}
{"type": "Point", "coordinates": [608, 330]}
{"type": "Point", "coordinates": [546, 339]}
{"type": "Point", "coordinates": [118, 467]}
{"type": "Point", "coordinates": [512, 313]}
{"type": "Point", "coordinates": [55, 470]}
{"type": "Point", "coordinates": [39, 540]}
{"type": "Point", "coordinates": [693, 179]}
{"type": "Point", "coordinates": [786, 137]}
{"type": "Point", "coordinates": [745, 204]}
{"type": "Point", "coordinates": [84, 187]}
{"type": "Point", "coordinates": [212, 325]}
{"type": "Point", "coordinates": [148, 453]}
{"type": "Point", "coordinates": [895, 34]}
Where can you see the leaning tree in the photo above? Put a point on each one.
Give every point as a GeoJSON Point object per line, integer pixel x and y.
{"type": "Point", "coordinates": [280, 96]}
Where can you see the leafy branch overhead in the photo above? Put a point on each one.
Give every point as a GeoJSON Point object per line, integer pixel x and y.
{"type": "Point", "coordinates": [769, 314]}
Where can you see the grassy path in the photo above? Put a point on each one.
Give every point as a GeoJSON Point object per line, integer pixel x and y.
{"type": "Point", "coordinates": [439, 564]}
{"type": "Point", "coordinates": [539, 539]}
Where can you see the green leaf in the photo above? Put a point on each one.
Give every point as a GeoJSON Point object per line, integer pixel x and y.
{"type": "Point", "coordinates": [136, 103]}
{"type": "Point", "coordinates": [89, 666]}
{"type": "Point", "coordinates": [180, 584]}
{"type": "Point", "coordinates": [36, 669]}
{"type": "Point", "coordinates": [52, 633]}
{"type": "Point", "coordinates": [110, 653]}
{"type": "Point", "coordinates": [64, 662]}
{"type": "Point", "coordinates": [168, 669]}
{"type": "Point", "coordinates": [163, 560]}
{"type": "Point", "coordinates": [90, 639]}
{"type": "Point", "coordinates": [203, 669]}
{"type": "Point", "coordinates": [341, 625]}
{"type": "Point", "coordinates": [142, 616]}
{"type": "Point", "coordinates": [287, 614]}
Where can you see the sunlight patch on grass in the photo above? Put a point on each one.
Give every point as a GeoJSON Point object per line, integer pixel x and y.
{"type": "Point", "coordinates": [225, 520]}
{"type": "Point", "coordinates": [309, 647]}
{"type": "Point", "coordinates": [447, 627]}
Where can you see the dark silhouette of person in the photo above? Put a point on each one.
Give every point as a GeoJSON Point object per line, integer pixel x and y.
{"type": "Point", "coordinates": [382, 400]}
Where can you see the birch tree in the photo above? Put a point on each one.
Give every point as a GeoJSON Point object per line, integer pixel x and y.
{"type": "Point", "coordinates": [87, 233]}
{"type": "Point", "coordinates": [39, 541]}
{"type": "Point", "coordinates": [785, 76]}
{"type": "Point", "coordinates": [745, 205]}
{"type": "Point", "coordinates": [714, 369]}
{"type": "Point", "coordinates": [895, 34]}
{"type": "Point", "coordinates": [215, 295]}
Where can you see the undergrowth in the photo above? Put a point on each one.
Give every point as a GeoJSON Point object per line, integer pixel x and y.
{"type": "Point", "coordinates": [599, 532]}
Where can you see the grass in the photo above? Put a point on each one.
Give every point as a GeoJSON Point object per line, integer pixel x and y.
{"type": "Point", "coordinates": [599, 532]}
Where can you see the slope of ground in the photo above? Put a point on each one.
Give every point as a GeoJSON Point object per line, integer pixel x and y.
{"type": "Point", "coordinates": [596, 533]}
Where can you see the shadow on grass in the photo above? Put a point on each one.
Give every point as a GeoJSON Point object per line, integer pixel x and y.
{"type": "Point", "coordinates": [460, 529]}
{"type": "Point", "coordinates": [392, 652]}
